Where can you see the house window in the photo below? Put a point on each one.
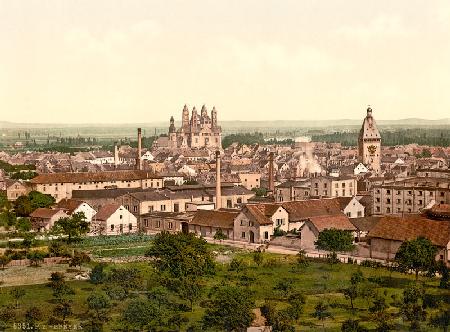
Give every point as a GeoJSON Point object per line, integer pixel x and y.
{"type": "Point", "coordinates": [388, 210]}
{"type": "Point", "coordinates": [146, 222]}
{"type": "Point", "coordinates": [343, 192]}
{"type": "Point", "coordinates": [359, 213]}
{"type": "Point", "coordinates": [388, 191]}
{"type": "Point", "coordinates": [112, 228]}
{"type": "Point", "coordinates": [163, 207]}
{"type": "Point", "coordinates": [398, 192]}
{"type": "Point", "coordinates": [442, 194]}
{"type": "Point", "coordinates": [399, 201]}
{"type": "Point", "coordinates": [266, 235]}
{"type": "Point", "coordinates": [243, 235]}
{"type": "Point", "coordinates": [325, 193]}
{"type": "Point", "coordinates": [121, 217]}
{"type": "Point", "coordinates": [170, 225]}
{"type": "Point", "coordinates": [176, 207]}
{"type": "Point", "coordinates": [242, 223]}
{"type": "Point", "coordinates": [229, 203]}
{"type": "Point", "coordinates": [157, 224]}
{"type": "Point", "coordinates": [121, 228]}
{"type": "Point", "coordinates": [239, 200]}
{"type": "Point", "coordinates": [135, 208]}
{"type": "Point", "coordinates": [388, 201]}
{"type": "Point", "coordinates": [150, 208]}
{"type": "Point", "coordinates": [130, 227]}
{"type": "Point", "coordinates": [127, 207]}
{"type": "Point", "coordinates": [280, 222]}
{"type": "Point", "coordinates": [343, 185]}
{"type": "Point", "coordinates": [378, 209]}
{"type": "Point", "coordinates": [349, 214]}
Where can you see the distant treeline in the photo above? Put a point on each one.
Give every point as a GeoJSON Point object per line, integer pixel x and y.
{"type": "Point", "coordinates": [421, 136]}
{"type": "Point", "coordinates": [252, 138]}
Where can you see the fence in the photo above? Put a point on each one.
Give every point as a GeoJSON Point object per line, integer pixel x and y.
{"type": "Point", "coordinates": [46, 261]}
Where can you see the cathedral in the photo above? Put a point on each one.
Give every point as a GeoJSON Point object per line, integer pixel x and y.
{"type": "Point", "coordinates": [369, 144]}
{"type": "Point", "coordinates": [198, 131]}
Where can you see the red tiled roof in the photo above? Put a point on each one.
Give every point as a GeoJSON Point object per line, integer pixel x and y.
{"type": "Point", "coordinates": [106, 211]}
{"type": "Point", "coordinates": [300, 210]}
{"type": "Point", "coordinates": [93, 177]}
{"type": "Point", "coordinates": [222, 219]}
{"type": "Point", "coordinates": [340, 222]}
{"type": "Point", "coordinates": [411, 227]}
{"type": "Point", "coordinates": [69, 205]}
{"type": "Point", "coordinates": [44, 213]}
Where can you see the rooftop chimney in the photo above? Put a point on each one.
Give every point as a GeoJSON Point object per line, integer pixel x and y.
{"type": "Point", "coordinates": [218, 184]}
{"type": "Point", "coordinates": [139, 150]}
{"type": "Point", "coordinates": [271, 181]}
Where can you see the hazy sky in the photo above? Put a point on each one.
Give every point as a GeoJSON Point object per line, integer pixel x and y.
{"type": "Point", "coordinates": [141, 61]}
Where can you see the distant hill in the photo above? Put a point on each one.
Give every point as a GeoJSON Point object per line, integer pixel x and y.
{"type": "Point", "coordinates": [411, 122]}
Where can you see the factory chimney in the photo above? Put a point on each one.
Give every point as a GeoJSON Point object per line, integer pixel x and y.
{"type": "Point", "coordinates": [116, 155]}
{"type": "Point", "coordinates": [271, 180]}
{"type": "Point", "coordinates": [218, 182]}
{"type": "Point", "coordinates": [139, 150]}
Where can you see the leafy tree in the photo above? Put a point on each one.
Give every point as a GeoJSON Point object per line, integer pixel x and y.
{"type": "Point", "coordinates": [181, 255]}
{"type": "Point", "coordinates": [128, 278]}
{"type": "Point", "coordinates": [7, 314]}
{"type": "Point", "coordinates": [99, 303]}
{"type": "Point", "coordinates": [258, 257]}
{"type": "Point", "coordinates": [39, 200]}
{"type": "Point", "coordinates": [322, 313]}
{"type": "Point", "coordinates": [97, 275]}
{"type": "Point", "coordinates": [36, 257]}
{"type": "Point", "coordinates": [159, 295]}
{"type": "Point", "coordinates": [22, 206]}
{"type": "Point", "coordinates": [79, 258]}
{"type": "Point", "coordinates": [17, 294]}
{"type": "Point", "coordinates": [412, 308]}
{"type": "Point", "coordinates": [284, 286]}
{"type": "Point", "coordinates": [59, 286]}
{"type": "Point", "coordinates": [230, 309]}
{"type": "Point", "coordinates": [237, 265]}
{"type": "Point", "coordinates": [58, 249]}
{"type": "Point", "coordinates": [352, 292]}
{"type": "Point", "coordinates": [302, 259]}
{"type": "Point", "coordinates": [23, 224]}
{"type": "Point", "coordinates": [351, 325]}
{"type": "Point", "coordinates": [335, 240]}
{"type": "Point", "coordinates": [379, 314]}
{"type": "Point", "coordinates": [417, 255]}
{"type": "Point", "coordinates": [63, 310]}
{"type": "Point", "coordinates": [32, 316]}
{"type": "Point", "coordinates": [7, 219]}
{"type": "Point", "coordinates": [260, 192]}
{"type": "Point", "coordinates": [5, 205]}
{"type": "Point", "coordinates": [190, 289]}
{"type": "Point", "coordinates": [141, 314]}
{"type": "Point", "coordinates": [4, 260]}
{"type": "Point", "coordinates": [441, 319]}
{"type": "Point", "coordinates": [73, 227]}
{"type": "Point", "coordinates": [220, 235]}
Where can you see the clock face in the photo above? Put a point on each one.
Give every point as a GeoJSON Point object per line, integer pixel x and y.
{"type": "Point", "coordinates": [372, 149]}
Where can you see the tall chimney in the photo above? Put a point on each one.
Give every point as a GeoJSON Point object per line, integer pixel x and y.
{"type": "Point", "coordinates": [139, 150]}
{"type": "Point", "coordinates": [116, 154]}
{"type": "Point", "coordinates": [218, 184]}
{"type": "Point", "coordinates": [271, 182]}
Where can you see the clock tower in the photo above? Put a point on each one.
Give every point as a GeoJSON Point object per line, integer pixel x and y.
{"type": "Point", "coordinates": [369, 144]}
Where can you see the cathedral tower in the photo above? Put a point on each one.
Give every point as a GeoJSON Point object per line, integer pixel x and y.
{"type": "Point", "coordinates": [369, 144]}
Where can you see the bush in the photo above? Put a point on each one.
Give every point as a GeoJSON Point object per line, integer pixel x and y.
{"type": "Point", "coordinates": [278, 232]}
{"type": "Point", "coordinates": [237, 265]}
{"type": "Point", "coordinates": [372, 264]}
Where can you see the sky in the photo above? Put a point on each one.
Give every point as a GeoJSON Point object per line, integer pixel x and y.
{"type": "Point", "coordinates": [109, 61]}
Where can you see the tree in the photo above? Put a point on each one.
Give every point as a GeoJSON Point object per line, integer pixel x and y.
{"type": "Point", "coordinates": [73, 227]}
{"type": "Point", "coordinates": [60, 289]}
{"type": "Point", "coordinates": [128, 278]}
{"type": "Point", "coordinates": [5, 205]}
{"type": "Point", "coordinates": [190, 289]}
{"type": "Point", "coordinates": [181, 255]}
{"type": "Point", "coordinates": [284, 286]}
{"type": "Point", "coordinates": [32, 316]}
{"type": "Point", "coordinates": [79, 258]}
{"type": "Point", "coordinates": [141, 314]}
{"type": "Point", "coordinates": [99, 303]}
{"type": "Point", "coordinates": [4, 260]}
{"type": "Point", "coordinates": [63, 310]}
{"type": "Point", "coordinates": [351, 325]}
{"type": "Point", "coordinates": [36, 257]}
{"type": "Point", "coordinates": [17, 294]}
{"type": "Point", "coordinates": [258, 257]}
{"type": "Point", "coordinates": [321, 312]}
{"type": "Point", "coordinates": [97, 275]}
{"type": "Point", "coordinates": [39, 200]}
{"type": "Point", "coordinates": [220, 235]}
{"type": "Point", "coordinates": [335, 240]}
{"type": "Point", "coordinates": [417, 255]}
{"type": "Point", "coordinates": [230, 309]}
{"type": "Point", "coordinates": [22, 206]}
{"type": "Point", "coordinates": [352, 292]}
{"type": "Point", "coordinates": [441, 319]}
{"type": "Point", "coordinates": [412, 308]}
{"type": "Point", "coordinates": [302, 259]}
{"type": "Point", "coordinates": [23, 224]}
{"type": "Point", "coordinates": [379, 314]}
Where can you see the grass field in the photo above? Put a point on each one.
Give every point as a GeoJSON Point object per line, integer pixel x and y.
{"type": "Point", "coordinates": [319, 282]}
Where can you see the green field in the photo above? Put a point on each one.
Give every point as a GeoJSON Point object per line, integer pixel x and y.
{"type": "Point", "coordinates": [319, 282]}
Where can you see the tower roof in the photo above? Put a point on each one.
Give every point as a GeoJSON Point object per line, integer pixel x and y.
{"type": "Point", "coordinates": [369, 127]}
